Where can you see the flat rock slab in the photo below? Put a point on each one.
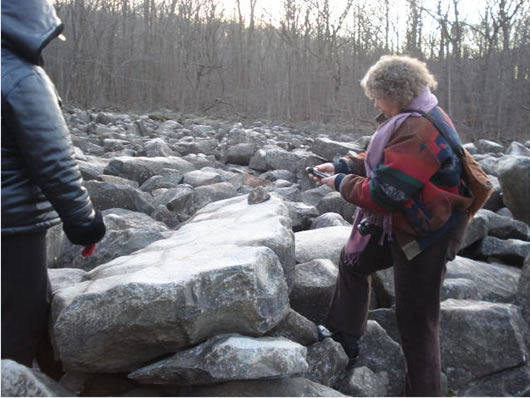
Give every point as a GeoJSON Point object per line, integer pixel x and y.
{"type": "Point", "coordinates": [225, 358]}
{"type": "Point", "coordinates": [490, 282]}
{"type": "Point", "coordinates": [480, 339]}
{"type": "Point", "coordinates": [321, 243]}
{"type": "Point", "coordinates": [220, 273]}
{"type": "Point", "coordinates": [140, 169]}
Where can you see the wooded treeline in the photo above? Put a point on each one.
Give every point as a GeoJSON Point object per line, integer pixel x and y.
{"type": "Point", "coordinates": [198, 56]}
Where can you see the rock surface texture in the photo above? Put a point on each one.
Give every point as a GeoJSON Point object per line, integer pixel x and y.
{"type": "Point", "coordinates": [221, 257]}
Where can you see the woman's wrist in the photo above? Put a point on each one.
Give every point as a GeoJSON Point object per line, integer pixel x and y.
{"type": "Point", "coordinates": [341, 167]}
{"type": "Point", "coordinates": [338, 180]}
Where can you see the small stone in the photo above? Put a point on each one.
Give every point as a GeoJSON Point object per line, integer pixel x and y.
{"type": "Point", "coordinates": [258, 195]}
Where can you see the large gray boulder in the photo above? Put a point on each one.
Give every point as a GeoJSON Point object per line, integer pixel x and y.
{"type": "Point", "coordinates": [110, 118]}
{"type": "Point", "coordinates": [334, 202]}
{"type": "Point", "coordinates": [220, 273]}
{"type": "Point", "coordinates": [313, 287]}
{"type": "Point", "coordinates": [301, 214]}
{"type": "Point", "coordinates": [139, 307]}
{"type": "Point", "coordinates": [460, 289]}
{"type": "Point", "coordinates": [178, 200]}
{"type": "Point", "coordinates": [288, 191]}
{"type": "Point", "coordinates": [164, 215]}
{"type": "Point", "coordinates": [517, 149]}
{"type": "Point", "coordinates": [206, 194]}
{"type": "Point", "coordinates": [105, 196]}
{"type": "Point", "coordinates": [240, 153]}
{"type": "Point", "coordinates": [141, 168]}
{"type": "Point", "coordinates": [64, 277]}
{"type": "Point", "coordinates": [200, 160]}
{"type": "Point", "coordinates": [487, 146]}
{"type": "Point", "coordinates": [386, 317]}
{"type": "Point", "coordinates": [314, 194]}
{"type": "Point", "coordinates": [127, 232]}
{"type": "Point", "coordinates": [329, 219]}
{"type": "Point", "coordinates": [157, 147]}
{"type": "Point", "coordinates": [273, 175]}
{"type": "Point", "coordinates": [364, 382]}
{"type": "Point", "coordinates": [503, 227]}
{"type": "Point", "coordinates": [486, 222]}
{"type": "Point", "coordinates": [197, 178]}
{"type": "Point", "coordinates": [480, 339]}
{"type": "Point", "coordinates": [225, 358]}
{"type": "Point", "coordinates": [184, 200]}
{"type": "Point", "coordinates": [118, 180]}
{"type": "Point", "coordinates": [514, 176]}
{"type": "Point", "coordinates": [234, 176]}
{"type": "Point", "coordinates": [326, 360]}
{"type": "Point", "coordinates": [20, 381]}
{"type": "Point", "coordinates": [115, 145]}
{"type": "Point", "coordinates": [297, 328]}
{"type": "Point", "coordinates": [271, 157]}
{"type": "Point", "coordinates": [238, 135]}
{"type": "Point", "coordinates": [510, 251]}
{"type": "Point", "coordinates": [330, 149]}
{"type": "Point", "coordinates": [233, 221]}
{"type": "Point", "coordinates": [322, 243]}
{"type": "Point", "coordinates": [92, 167]}
{"type": "Point", "coordinates": [489, 282]}
{"type": "Point", "coordinates": [170, 128]}
{"type": "Point", "coordinates": [476, 230]}
{"type": "Point", "coordinates": [384, 357]}
{"type": "Point", "coordinates": [509, 383]}
{"type": "Point", "coordinates": [167, 178]}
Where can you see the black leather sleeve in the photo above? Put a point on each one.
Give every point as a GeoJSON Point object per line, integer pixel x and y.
{"type": "Point", "coordinates": [45, 147]}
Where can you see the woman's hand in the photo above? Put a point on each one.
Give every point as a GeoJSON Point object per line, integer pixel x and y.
{"type": "Point", "coordinates": [329, 181]}
{"type": "Point", "coordinates": [327, 168]}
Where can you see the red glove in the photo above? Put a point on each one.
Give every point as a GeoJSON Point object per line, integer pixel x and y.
{"type": "Point", "coordinates": [88, 250]}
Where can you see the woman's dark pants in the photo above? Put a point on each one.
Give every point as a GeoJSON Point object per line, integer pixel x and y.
{"type": "Point", "coordinates": [26, 302]}
{"type": "Point", "coordinates": [417, 288]}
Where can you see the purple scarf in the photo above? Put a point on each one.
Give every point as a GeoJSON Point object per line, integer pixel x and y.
{"type": "Point", "coordinates": [356, 243]}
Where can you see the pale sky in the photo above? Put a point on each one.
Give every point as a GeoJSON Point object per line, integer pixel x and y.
{"type": "Point", "coordinates": [271, 10]}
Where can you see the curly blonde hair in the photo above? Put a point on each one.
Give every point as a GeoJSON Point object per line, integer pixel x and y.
{"type": "Point", "coordinates": [397, 78]}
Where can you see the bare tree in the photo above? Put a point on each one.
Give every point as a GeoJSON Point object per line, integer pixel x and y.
{"type": "Point", "coordinates": [188, 56]}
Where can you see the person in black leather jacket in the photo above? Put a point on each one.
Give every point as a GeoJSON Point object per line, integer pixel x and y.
{"type": "Point", "coordinates": [41, 182]}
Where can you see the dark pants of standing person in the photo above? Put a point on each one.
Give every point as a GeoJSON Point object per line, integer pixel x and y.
{"type": "Point", "coordinates": [26, 302]}
{"type": "Point", "coordinates": [417, 288]}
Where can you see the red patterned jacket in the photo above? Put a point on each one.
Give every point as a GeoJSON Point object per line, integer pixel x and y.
{"type": "Point", "coordinates": [419, 182]}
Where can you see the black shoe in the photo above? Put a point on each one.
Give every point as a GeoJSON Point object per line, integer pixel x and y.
{"type": "Point", "coordinates": [349, 343]}
{"type": "Point", "coordinates": [323, 332]}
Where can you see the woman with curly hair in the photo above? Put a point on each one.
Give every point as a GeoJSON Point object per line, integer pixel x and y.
{"type": "Point", "coordinates": [411, 214]}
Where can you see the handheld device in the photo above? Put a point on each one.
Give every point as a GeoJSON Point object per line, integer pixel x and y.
{"type": "Point", "coordinates": [317, 173]}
